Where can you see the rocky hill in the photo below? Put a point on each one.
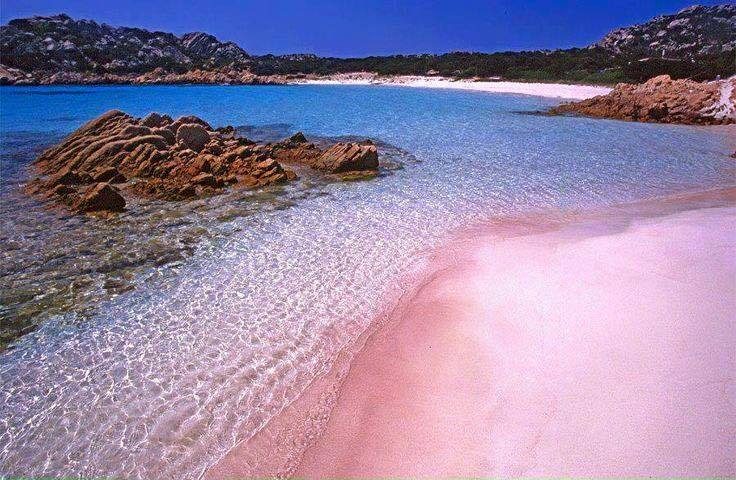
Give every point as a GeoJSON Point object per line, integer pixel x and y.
{"type": "Point", "coordinates": [60, 43]}
{"type": "Point", "coordinates": [688, 34]}
{"type": "Point", "coordinates": [698, 43]}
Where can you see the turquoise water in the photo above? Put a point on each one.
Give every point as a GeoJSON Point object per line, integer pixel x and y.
{"type": "Point", "coordinates": [159, 379]}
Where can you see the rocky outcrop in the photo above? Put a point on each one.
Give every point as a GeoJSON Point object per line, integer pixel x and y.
{"type": "Point", "coordinates": [347, 157]}
{"type": "Point", "coordinates": [61, 43]}
{"type": "Point", "coordinates": [100, 197]}
{"type": "Point", "coordinates": [116, 155]}
{"type": "Point", "coordinates": [61, 50]}
{"type": "Point", "coordinates": [193, 136]}
{"type": "Point", "coordinates": [342, 157]}
{"type": "Point", "coordinates": [689, 33]}
{"type": "Point", "coordinates": [11, 76]}
{"type": "Point", "coordinates": [663, 100]}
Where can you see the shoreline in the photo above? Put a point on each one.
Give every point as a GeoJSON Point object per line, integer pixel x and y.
{"type": "Point", "coordinates": [565, 91]}
{"type": "Point", "coordinates": [539, 89]}
{"type": "Point", "coordinates": [393, 370]}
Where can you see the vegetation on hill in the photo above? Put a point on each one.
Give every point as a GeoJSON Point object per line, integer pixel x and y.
{"type": "Point", "coordinates": [697, 43]}
{"type": "Point", "coordinates": [577, 65]}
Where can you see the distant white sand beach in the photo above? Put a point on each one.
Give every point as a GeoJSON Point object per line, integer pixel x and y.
{"type": "Point", "coordinates": [552, 90]}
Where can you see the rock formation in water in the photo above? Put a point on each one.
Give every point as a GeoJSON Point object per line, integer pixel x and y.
{"type": "Point", "coordinates": [663, 100]}
{"type": "Point", "coordinates": [342, 157]}
{"type": "Point", "coordinates": [116, 155]}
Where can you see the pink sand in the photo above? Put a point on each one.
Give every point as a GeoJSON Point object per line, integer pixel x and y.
{"type": "Point", "coordinates": [556, 354]}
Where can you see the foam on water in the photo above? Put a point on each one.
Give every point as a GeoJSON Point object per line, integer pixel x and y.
{"type": "Point", "coordinates": [162, 380]}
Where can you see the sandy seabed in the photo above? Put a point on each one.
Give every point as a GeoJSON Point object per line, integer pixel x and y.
{"type": "Point", "coordinates": [603, 345]}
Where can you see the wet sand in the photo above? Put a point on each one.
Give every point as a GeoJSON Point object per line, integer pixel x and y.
{"type": "Point", "coordinates": [605, 347]}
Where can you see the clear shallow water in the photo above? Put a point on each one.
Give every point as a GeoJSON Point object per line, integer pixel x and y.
{"type": "Point", "coordinates": [159, 381]}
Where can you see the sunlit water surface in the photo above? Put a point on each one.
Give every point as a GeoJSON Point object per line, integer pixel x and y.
{"type": "Point", "coordinates": [159, 378]}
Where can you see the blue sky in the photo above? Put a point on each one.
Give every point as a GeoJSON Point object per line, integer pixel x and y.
{"type": "Point", "coordinates": [379, 27]}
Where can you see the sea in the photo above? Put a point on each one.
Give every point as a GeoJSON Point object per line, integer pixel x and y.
{"type": "Point", "coordinates": [148, 345]}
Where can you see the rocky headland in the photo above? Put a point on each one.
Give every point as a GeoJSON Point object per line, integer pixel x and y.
{"type": "Point", "coordinates": [117, 155]}
{"type": "Point", "coordinates": [662, 100]}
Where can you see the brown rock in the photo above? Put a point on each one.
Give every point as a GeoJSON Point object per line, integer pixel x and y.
{"type": "Point", "coordinates": [108, 174]}
{"type": "Point", "coordinates": [100, 197]}
{"type": "Point", "coordinates": [295, 150]}
{"type": "Point", "coordinates": [62, 190]}
{"type": "Point", "coordinates": [154, 119]}
{"type": "Point", "coordinates": [200, 164]}
{"type": "Point", "coordinates": [297, 138]}
{"type": "Point", "coordinates": [187, 191]}
{"type": "Point", "coordinates": [347, 157]}
{"type": "Point", "coordinates": [187, 120]}
{"type": "Point", "coordinates": [660, 99]}
{"type": "Point", "coordinates": [66, 176]}
{"type": "Point", "coordinates": [174, 160]}
{"type": "Point", "coordinates": [205, 180]}
{"type": "Point", "coordinates": [166, 134]}
{"type": "Point", "coordinates": [213, 149]}
{"type": "Point", "coordinates": [227, 131]}
{"type": "Point", "coordinates": [193, 136]}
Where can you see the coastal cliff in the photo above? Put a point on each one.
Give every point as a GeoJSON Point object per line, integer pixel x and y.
{"type": "Point", "coordinates": [663, 100]}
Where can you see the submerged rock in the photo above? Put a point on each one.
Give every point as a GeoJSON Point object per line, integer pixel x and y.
{"type": "Point", "coordinates": [663, 100]}
{"type": "Point", "coordinates": [168, 159]}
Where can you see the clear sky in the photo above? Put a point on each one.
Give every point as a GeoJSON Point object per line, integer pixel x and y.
{"type": "Point", "coordinates": [377, 27]}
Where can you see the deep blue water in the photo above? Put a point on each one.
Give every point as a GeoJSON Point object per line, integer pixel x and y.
{"type": "Point", "coordinates": [159, 380]}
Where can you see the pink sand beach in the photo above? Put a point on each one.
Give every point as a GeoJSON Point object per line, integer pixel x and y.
{"type": "Point", "coordinates": [597, 347]}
